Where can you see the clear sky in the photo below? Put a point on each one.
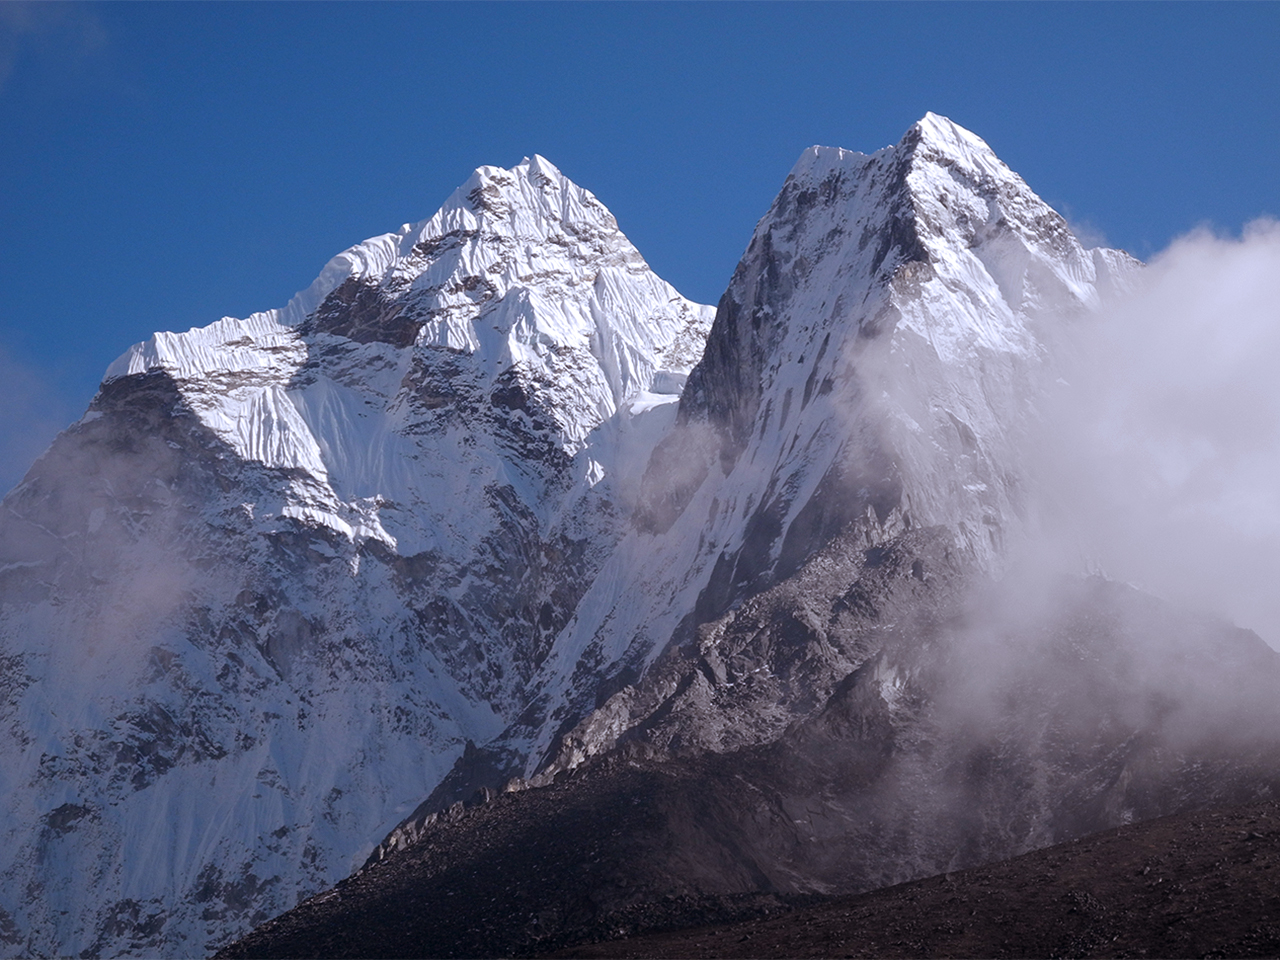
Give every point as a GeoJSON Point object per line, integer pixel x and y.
{"type": "Point", "coordinates": [163, 165]}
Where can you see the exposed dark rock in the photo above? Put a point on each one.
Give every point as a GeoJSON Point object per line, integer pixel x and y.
{"type": "Point", "coordinates": [1199, 884]}
{"type": "Point", "coordinates": [63, 818]}
{"type": "Point", "coordinates": [362, 311]}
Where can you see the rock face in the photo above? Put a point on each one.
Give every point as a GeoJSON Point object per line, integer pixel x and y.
{"type": "Point", "coordinates": [256, 602]}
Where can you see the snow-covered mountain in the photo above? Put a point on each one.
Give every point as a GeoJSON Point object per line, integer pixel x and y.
{"type": "Point", "coordinates": [478, 509]}
{"type": "Point", "coordinates": [873, 367]}
{"type": "Point", "coordinates": [812, 664]}
{"type": "Point", "coordinates": [259, 598]}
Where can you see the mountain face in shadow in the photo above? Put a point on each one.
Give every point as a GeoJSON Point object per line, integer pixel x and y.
{"type": "Point", "coordinates": [965, 736]}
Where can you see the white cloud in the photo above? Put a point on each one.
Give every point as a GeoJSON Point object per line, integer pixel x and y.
{"type": "Point", "coordinates": [65, 32]}
{"type": "Point", "coordinates": [31, 414]}
{"type": "Point", "coordinates": [1164, 451]}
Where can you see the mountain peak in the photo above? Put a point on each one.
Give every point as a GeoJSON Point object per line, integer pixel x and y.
{"type": "Point", "coordinates": [933, 139]}
{"type": "Point", "coordinates": [531, 199]}
{"type": "Point", "coordinates": [944, 134]}
{"type": "Point", "coordinates": [869, 269]}
{"type": "Point", "coordinates": [537, 172]}
{"type": "Point", "coordinates": [538, 165]}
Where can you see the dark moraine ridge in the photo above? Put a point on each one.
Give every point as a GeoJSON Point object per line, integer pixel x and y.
{"type": "Point", "coordinates": [1199, 884]}
{"type": "Point", "coordinates": [1202, 884]}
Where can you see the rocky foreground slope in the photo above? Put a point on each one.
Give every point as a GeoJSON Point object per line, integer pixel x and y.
{"type": "Point", "coordinates": [1190, 885]}
{"type": "Point", "coordinates": [902, 772]}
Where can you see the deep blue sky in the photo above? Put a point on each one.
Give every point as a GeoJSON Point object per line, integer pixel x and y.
{"type": "Point", "coordinates": [162, 165]}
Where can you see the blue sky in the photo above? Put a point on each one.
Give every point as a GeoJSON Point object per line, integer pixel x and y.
{"type": "Point", "coordinates": [163, 165]}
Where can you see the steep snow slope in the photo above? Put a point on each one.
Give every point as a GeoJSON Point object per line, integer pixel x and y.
{"type": "Point", "coordinates": [871, 370]}
{"type": "Point", "coordinates": [258, 599]}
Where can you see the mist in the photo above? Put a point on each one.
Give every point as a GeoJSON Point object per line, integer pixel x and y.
{"type": "Point", "coordinates": [1159, 453]}
{"type": "Point", "coordinates": [1044, 705]}
{"type": "Point", "coordinates": [34, 412]}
